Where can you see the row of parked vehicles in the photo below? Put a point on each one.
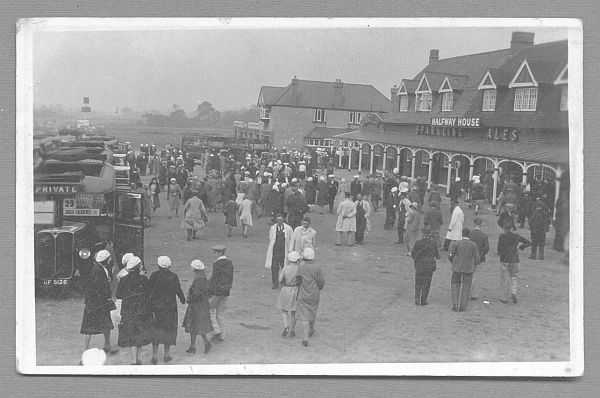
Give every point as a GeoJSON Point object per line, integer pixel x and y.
{"type": "Point", "coordinates": [82, 184]}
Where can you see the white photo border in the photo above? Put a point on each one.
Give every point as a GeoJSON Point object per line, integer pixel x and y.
{"type": "Point", "coordinates": [25, 290]}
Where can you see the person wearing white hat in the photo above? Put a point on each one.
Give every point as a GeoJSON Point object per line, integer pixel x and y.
{"type": "Point", "coordinates": [286, 301]}
{"type": "Point", "coordinates": [196, 320]}
{"type": "Point", "coordinates": [135, 326]}
{"type": "Point", "coordinates": [98, 303]}
{"type": "Point", "coordinates": [174, 197]}
{"type": "Point", "coordinates": [309, 293]}
{"type": "Point", "coordinates": [93, 357]}
{"type": "Point", "coordinates": [123, 270]}
{"type": "Point", "coordinates": [164, 288]}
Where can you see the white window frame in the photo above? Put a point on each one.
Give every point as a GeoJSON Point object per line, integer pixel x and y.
{"type": "Point", "coordinates": [487, 86]}
{"type": "Point", "coordinates": [564, 97]}
{"type": "Point", "coordinates": [319, 115]}
{"type": "Point", "coordinates": [488, 106]}
{"type": "Point", "coordinates": [525, 99]}
{"type": "Point", "coordinates": [447, 101]}
{"type": "Point", "coordinates": [402, 97]}
{"type": "Point", "coordinates": [420, 94]}
{"type": "Point", "coordinates": [563, 83]}
{"type": "Point", "coordinates": [533, 82]}
{"type": "Point", "coordinates": [354, 117]}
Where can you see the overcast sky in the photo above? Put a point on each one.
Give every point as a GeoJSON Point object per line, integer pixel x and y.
{"type": "Point", "coordinates": [154, 70]}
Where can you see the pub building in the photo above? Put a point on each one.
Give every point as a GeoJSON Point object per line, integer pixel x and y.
{"type": "Point", "coordinates": [498, 114]}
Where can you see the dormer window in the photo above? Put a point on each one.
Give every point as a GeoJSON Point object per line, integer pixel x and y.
{"type": "Point", "coordinates": [563, 82]}
{"type": "Point", "coordinates": [489, 100]}
{"type": "Point", "coordinates": [526, 89]}
{"type": "Point", "coordinates": [423, 97]}
{"type": "Point", "coordinates": [447, 96]}
{"type": "Point", "coordinates": [403, 102]}
{"type": "Point", "coordinates": [488, 86]}
{"type": "Point", "coordinates": [402, 98]}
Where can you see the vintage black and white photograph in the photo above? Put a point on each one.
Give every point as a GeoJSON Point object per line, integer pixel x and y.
{"type": "Point", "coordinates": [306, 196]}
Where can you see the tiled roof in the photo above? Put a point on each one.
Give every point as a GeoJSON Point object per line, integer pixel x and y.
{"type": "Point", "coordinates": [528, 151]}
{"type": "Point", "coordinates": [545, 60]}
{"type": "Point", "coordinates": [329, 95]}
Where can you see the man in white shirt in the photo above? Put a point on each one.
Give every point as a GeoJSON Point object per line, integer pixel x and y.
{"type": "Point", "coordinates": [455, 226]}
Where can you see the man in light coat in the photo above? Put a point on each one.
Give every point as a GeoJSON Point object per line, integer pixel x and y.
{"type": "Point", "coordinates": [346, 221]}
{"type": "Point", "coordinates": [455, 226]}
{"type": "Point", "coordinates": [280, 241]}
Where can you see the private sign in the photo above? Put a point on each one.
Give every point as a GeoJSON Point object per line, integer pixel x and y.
{"type": "Point", "coordinates": [468, 122]}
{"type": "Point", "coordinates": [55, 188]}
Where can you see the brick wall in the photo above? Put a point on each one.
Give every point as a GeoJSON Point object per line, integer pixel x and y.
{"type": "Point", "coordinates": [290, 125]}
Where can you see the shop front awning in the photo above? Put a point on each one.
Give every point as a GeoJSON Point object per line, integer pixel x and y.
{"type": "Point", "coordinates": [471, 146]}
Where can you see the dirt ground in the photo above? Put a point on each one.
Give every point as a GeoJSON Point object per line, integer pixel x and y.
{"type": "Point", "coordinates": [367, 313]}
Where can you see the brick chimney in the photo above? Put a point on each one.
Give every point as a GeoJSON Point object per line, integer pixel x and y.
{"type": "Point", "coordinates": [434, 55]}
{"type": "Point", "coordinates": [521, 40]}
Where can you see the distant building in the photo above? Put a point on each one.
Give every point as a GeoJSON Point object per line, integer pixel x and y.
{"type": "Point", "coordinates": [496, 114]}
{"type": "Point", "coordinates": [316, 109]}
{"type": "Point", "coordinates": [253, 131]}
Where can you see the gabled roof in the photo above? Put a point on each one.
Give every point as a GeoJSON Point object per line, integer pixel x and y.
{"type": "Point", "coordinates": [523, 76]}
{"type": "Point", "coordinates": [409, 85]}
{"type": "Point", "coordinates": [327, 95]}
{"type": "Point", "coordinates": [563, 76]}
{"type": "Point", "coordinates": [545, 60]}
{"type": "Point", "coordinates": [269, 94]}
{"type": "Point", "coordinates": [423, 85]}
{"type": "Point", "coordinates": [465, 74]}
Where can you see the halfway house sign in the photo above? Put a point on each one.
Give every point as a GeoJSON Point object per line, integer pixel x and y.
{"type": "Point", "coordinates": [464, 122]}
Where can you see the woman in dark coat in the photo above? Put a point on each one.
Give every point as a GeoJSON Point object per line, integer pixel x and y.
{"type": "Point", "coordinates": [197, 315]}
{"type": "Point", "coordinates": [136, 319]}
{"type": "Point", "coordinates": [98, 302]}
{"type": "Point", "coordinates": [164, 289]}
{"type": "Point", "coordinates": [230, 211]}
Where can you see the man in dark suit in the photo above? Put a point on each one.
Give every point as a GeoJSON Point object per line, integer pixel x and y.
{"type": "Point", "coordinates": [355, 188]}
{"type": "Point", "coordinates": [332, 187]}
{"type": "Point", "coordinates": [219, 287]}
{"type": "Point", "coordinates": [464, 256]}
{"type": "Point", "coordinates": [424, 253]}
{"type": "Point", "coordinates": [481, 240]}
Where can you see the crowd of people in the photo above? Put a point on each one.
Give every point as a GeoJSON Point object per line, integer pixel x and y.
{"type": "Point", "coordinates": [145, 308]}
{"type": "Point", "coordinates": [285, 193]}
